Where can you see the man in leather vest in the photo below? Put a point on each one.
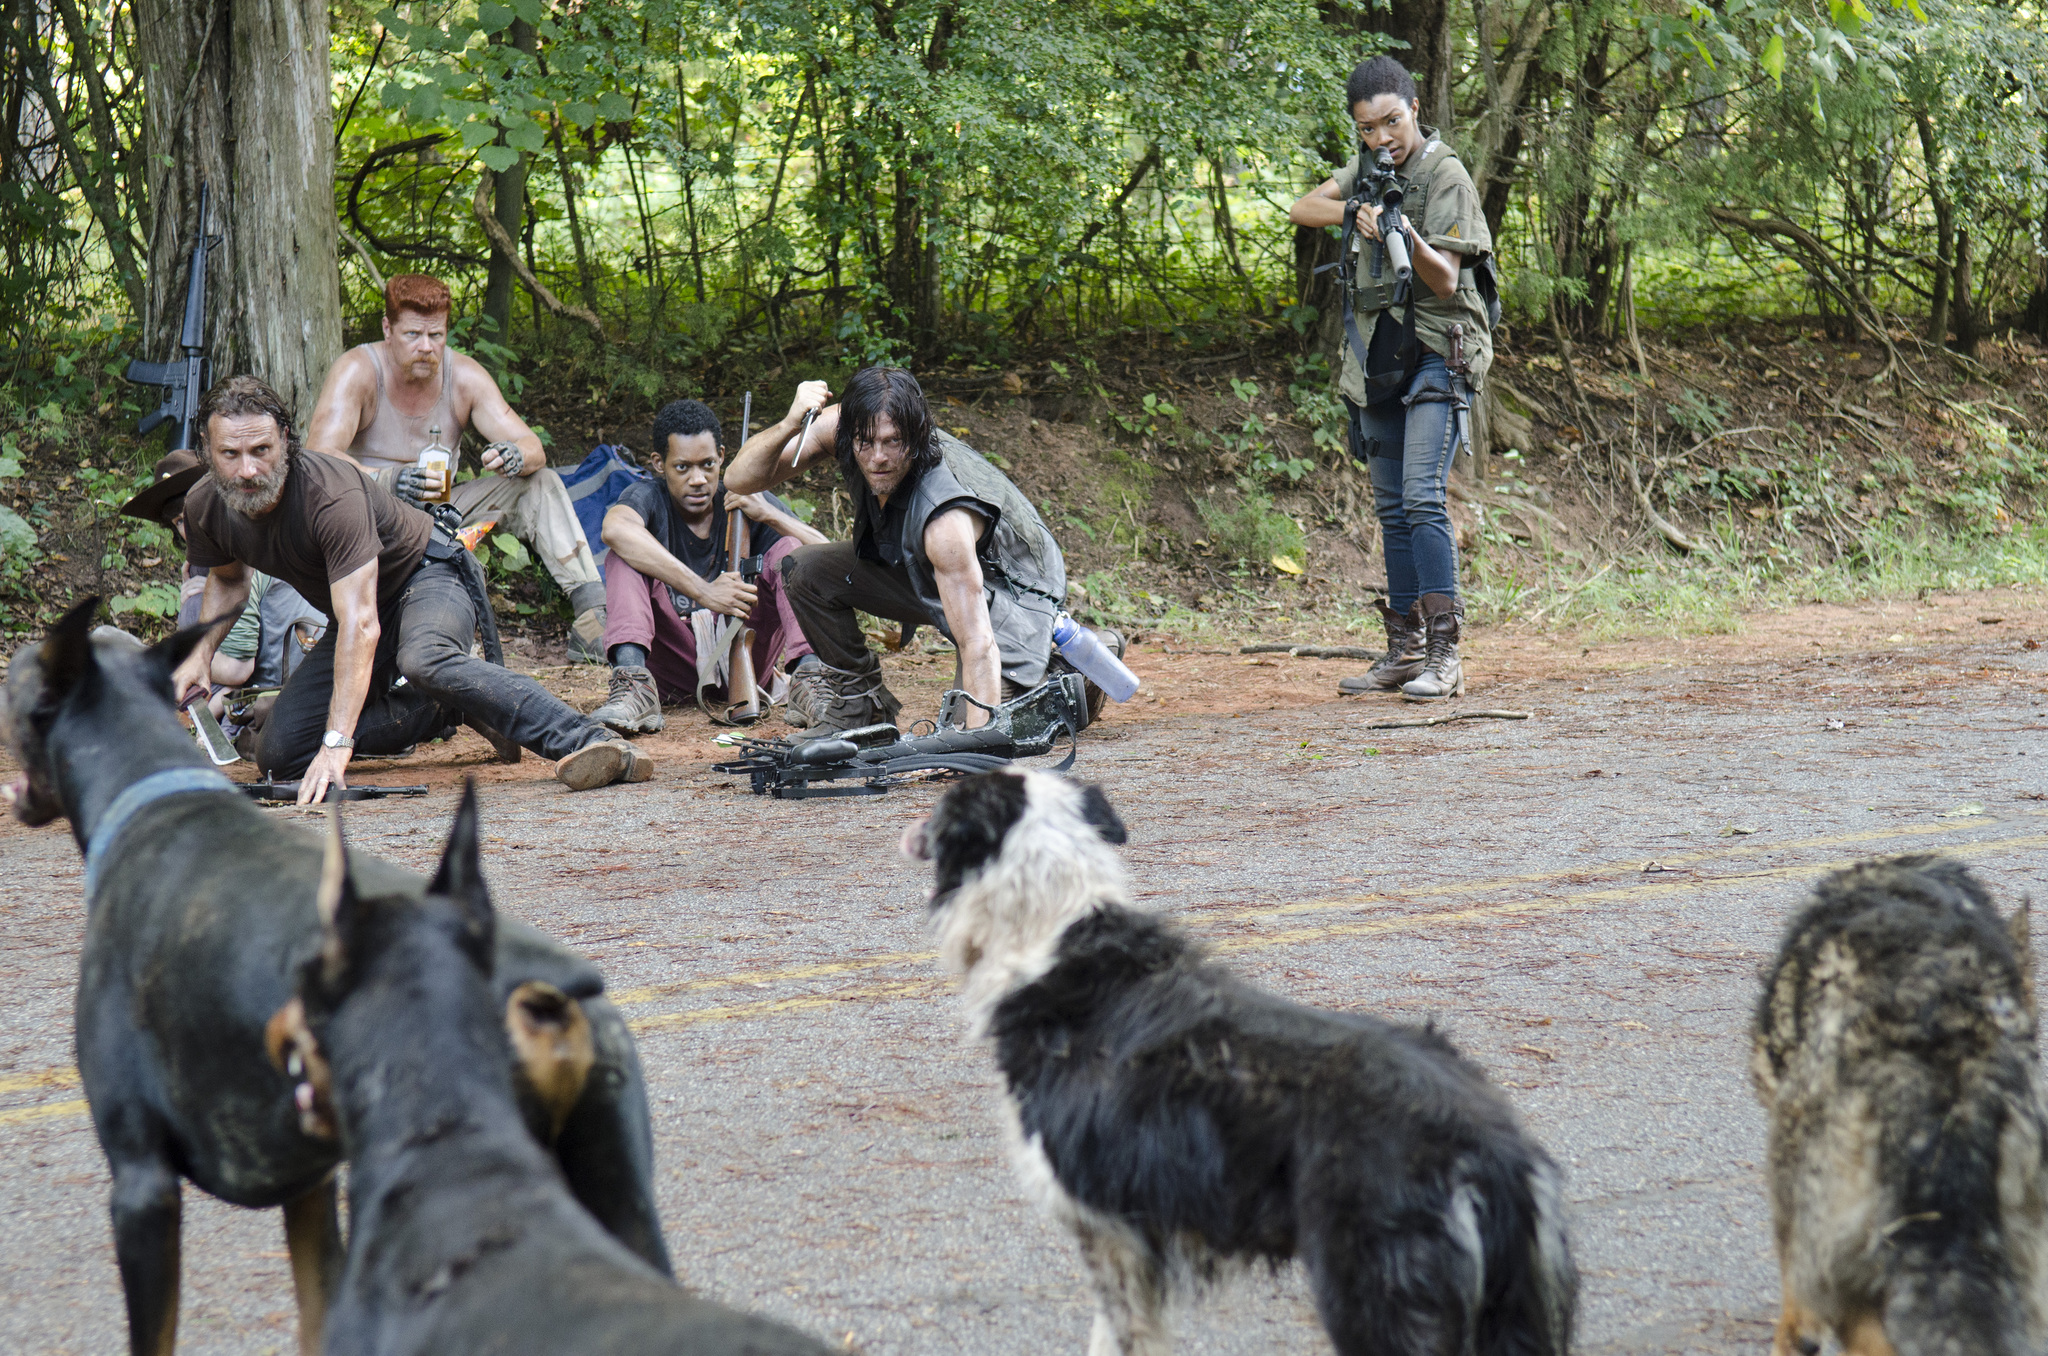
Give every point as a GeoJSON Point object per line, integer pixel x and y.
{"type": "Point", "coordinates": [385, 402]}
{"type": "Point", "coordinates": [940, 538]}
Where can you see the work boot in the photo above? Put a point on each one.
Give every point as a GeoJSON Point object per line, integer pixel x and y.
{"type": "Point", "coordinates": [634, 704]}
{"type": "Point", "coordinates": [1442, 675]}
{"type": "Point", "coordinates": [825, 700]}
{"type": "Point", "coordinates": [601, 762]}
{"type": "Point", "coordinates": [586, 633]}
{"type": "Point", "coordinates": [1403, 659]}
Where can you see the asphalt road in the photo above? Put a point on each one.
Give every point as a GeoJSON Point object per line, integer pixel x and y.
{"type": "Point", "coordinates": [826, 1142]}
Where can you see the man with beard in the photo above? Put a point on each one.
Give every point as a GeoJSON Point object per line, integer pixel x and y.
{"type": "Point", "coordinates": [940, 538]}
{"type": "Point", "coordinates": [394, 667]}
{"type": "Point", "coordinates": [384, 403]}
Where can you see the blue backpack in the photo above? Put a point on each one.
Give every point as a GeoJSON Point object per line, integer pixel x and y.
{"type": "Point", "coordinates": [595, 484]}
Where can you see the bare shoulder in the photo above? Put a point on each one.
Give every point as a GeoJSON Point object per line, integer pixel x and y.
{"type": "Point", "coordinates": [951, 538]}
{"type": "Point", "coordinates": [471, 384]}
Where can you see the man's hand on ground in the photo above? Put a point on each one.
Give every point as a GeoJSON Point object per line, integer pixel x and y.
{"type": "Point", "coordinates": [329, 767]}
{"type": "Point", "coordinates": [729, 595]}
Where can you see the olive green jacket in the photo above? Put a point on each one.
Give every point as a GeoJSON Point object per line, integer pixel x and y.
{"type": "Point", "coordinates": [1439, 200]}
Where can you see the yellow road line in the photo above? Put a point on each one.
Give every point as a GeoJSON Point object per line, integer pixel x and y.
{"type": "Point", "coordinates": [24, 1114]}
{"type": "Point", "coordinates": [41, 1078]}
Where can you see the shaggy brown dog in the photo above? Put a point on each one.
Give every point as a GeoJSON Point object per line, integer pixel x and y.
{"type": "Point", "coordinates": [1894, 1051]}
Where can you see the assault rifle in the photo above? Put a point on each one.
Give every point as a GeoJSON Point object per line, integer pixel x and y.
{"type": "Point", "coordinates": [741, 689]}
{"type": "Point", "coordinates": [183, 379]}
{"type": "Point", "coordinates": [1386, 191]}
{"type": "Point", "coordinates": [880, 757]}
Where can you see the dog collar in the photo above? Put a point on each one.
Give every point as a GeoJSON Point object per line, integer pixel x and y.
{"type": "Point", "coordinates": [173, 781]}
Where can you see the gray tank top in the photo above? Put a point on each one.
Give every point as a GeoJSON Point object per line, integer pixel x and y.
{"type": "Point", "coordinates": [396, 439]}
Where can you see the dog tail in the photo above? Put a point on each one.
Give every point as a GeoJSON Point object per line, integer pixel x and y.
{"type": "Point", "coordinates": [1531, 1284]}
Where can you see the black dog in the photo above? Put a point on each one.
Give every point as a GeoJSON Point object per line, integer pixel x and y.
{"type": "Point", "coordinates": [462, 1238]}
{"type": "Point", "coordinates": [199, 908]}
{"type": "Point", "coordinates": [1175, 1118]}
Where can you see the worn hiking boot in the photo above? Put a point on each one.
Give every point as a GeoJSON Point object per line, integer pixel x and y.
{"type": "Point", "coordinates": [586, 637]}
{"type": "Point", "coordinates": [633, 706]}
{"type": "Point", "coordinates": [825, 700]}
{"type": "Point", "coordinates": [602, 762]}
{"type": "Point", "coordinates": [1442, 675]}
{"type": "Point", "coordinates": [1403, 659]}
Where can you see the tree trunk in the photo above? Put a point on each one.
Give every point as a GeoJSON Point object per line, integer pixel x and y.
{"type": "Point", "coordinates": [1425, 25]}
{"type": "Point", "coordinates": [238, 95]}
{"type": "Point", "coordinates": [1944, 229]}
{"type": "Point", "coordinates": [508, 193]}
{"type": "Point", "coordinates": [1964, 303]}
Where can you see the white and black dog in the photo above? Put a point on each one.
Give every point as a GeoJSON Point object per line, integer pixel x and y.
{"type": "Point", "coordinates": [1177, 1119]}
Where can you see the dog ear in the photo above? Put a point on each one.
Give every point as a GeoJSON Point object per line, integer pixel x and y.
{"type": "Point", "coordinates": [172, 651]}
{"type": "Point", "coordinates": [1095, 810]}
{"type": "Point", "coordinates": [340, 907]}
{"type": "Point", "coordinates": [66, 656]}
{"type": "Point", "coordinates": [460, 876]}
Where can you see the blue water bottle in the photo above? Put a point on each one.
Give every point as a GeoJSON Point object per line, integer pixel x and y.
{"type": "Point", "coordinates": [1092, 659]}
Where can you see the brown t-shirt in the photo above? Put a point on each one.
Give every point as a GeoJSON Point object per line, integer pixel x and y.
{"type": "Point", "coordinates": [331, 521]}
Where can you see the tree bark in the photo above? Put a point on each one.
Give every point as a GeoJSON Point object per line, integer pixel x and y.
{"type": "Point", "coordinates": [508, 191]}
{"type": "Point", "coordinates": [237, 95]}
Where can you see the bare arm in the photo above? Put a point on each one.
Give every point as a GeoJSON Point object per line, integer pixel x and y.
{"type": "Point", "coordinates": [227, 588]}
{"type": "Point", "coordinates": [355, 647]}
{"type": "Point", "coordinates": [1322, 205]}
{"type": "Point", "coordinates": [767, 459]}
{"type": "Point", "coordinates": [492, 418]}
{"type": "Point", "coordinates": [625, 532]}
{"type": "Point", "coordinates": [338, 414]}
{"type": "Point", "coordinates": [758, 509]}
{"type": "Point", "coordinates": [949, 542]}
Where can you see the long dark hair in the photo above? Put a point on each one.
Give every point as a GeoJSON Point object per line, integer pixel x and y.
{"type": "Point", "coordinates": [876, 391]}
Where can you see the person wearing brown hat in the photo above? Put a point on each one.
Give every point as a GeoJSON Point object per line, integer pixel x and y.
{"type": "Point", "coordinates": [163, 501]}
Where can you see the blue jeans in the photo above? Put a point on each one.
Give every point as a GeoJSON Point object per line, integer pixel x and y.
{"type": "Point", "coordinates": [1407, 443]}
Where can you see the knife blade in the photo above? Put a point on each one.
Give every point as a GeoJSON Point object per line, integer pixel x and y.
{"type": "Point", "coordinates": [212, 740]}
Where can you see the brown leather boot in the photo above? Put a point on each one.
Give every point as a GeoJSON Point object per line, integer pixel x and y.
{"type": "Point", "coordinates": [1403, 659]}
{"type": "Point", "coordinates": [1441, 675]}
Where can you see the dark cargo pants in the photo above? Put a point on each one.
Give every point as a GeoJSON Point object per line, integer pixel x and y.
{"type": "Point", "coordinates": [425, 638]}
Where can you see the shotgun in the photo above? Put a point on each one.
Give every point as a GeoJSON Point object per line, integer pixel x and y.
{"type": "Point", "coordinates": [743, 694]}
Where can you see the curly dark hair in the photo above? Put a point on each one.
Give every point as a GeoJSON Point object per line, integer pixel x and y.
{"type": "Point", "coordinates": [873, 392]}
{"type": "Point", "coordinates": [238, 397]}
{"type": "Point", "coordinates": [684, 419]}
{"type": "Point", "coordinates": [1381, 75]}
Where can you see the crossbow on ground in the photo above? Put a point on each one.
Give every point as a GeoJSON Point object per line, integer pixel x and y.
{"type": "Point", "coordinates": [879, 757]}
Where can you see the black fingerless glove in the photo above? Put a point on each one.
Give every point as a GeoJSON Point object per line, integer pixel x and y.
{"type": "Point", "coordinates": [409, 485]}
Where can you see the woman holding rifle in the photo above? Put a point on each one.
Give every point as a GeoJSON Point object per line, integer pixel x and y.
{"type": "Point", "coordinates": [1417, 344]}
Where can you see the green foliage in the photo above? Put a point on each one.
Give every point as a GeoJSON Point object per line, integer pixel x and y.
{"type": "Point", "coordinates": [151, 600]}
{"type": "Point", "coordinates": [1252, 532]}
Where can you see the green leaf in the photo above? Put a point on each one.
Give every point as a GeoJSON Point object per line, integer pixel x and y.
{"type": "Point", "coordinates": [498, 158]}
{"type": "Point", "coordinates": [17, 538]}
{"type": "Point", "coordinates": [526, 136]}
{"type": "Point", "coordinates": [580, 113]}
{"type": "Point", "coordinates": [492, 17]}
{"type": "Point", "coordinates": [1773, 58]}
{"type": "Point", "coordinates": [513, 550]}
{"type": "Point", "coordinates": [424, 103]}
{"type": "Point", "coordinates": [533, 11]}
{"type": "Point", "coordinates": [475, 134]}
{"type": "Point", "coordinates": [613, 106]}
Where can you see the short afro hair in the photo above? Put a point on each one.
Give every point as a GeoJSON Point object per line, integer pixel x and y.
{"type": "Point", "coordinates": [421, 292]}
{"type": "Point", "coordinates": [873, 392]}
{"type": "Point", "coordinates": [684, 419]}
{"type": "Point", "coordinates": [1381, 75]}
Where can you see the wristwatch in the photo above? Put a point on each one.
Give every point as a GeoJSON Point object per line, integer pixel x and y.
{"type": "Point", "coordinates": [335, 739]}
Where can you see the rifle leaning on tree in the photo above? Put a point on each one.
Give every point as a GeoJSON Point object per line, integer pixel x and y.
{"type": "Point", "coordinates": [183, 379]}
{"type": "Point", "coordinates": [742, 691]}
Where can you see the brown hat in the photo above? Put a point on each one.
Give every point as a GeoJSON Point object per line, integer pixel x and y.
{"type": "Point", "coordinates": [175, 474]}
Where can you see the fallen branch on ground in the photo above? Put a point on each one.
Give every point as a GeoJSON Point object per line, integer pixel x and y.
{"type": "Point", "coordinates": [1665, 528]}
{"type": "Point", "coordinates": [1419, 721]}
{"type": "Point", "coordinates": [1314, 651]}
